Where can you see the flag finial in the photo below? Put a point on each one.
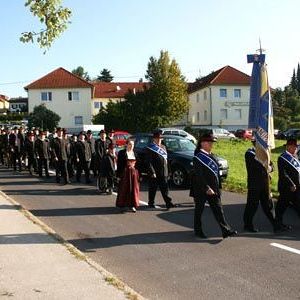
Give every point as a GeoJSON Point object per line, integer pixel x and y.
{"type": "Point", "coordinates": [260, 50]}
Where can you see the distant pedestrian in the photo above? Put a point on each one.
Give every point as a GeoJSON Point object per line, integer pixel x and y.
{"type": "Point", "coordinates": [128, 189]}
{"type": "Point", "coordinates": [157, 162]}
{"type": "Point", "coordinates": [42, 153]}
{"type": "Point", "coordinates": [30, 153]}
{"type": "Point", "coordinates": [258, 184]}
{"type": "Point", "coordinates": [288, 183]}
{"type": "Point", "coordinates": [206, 187]}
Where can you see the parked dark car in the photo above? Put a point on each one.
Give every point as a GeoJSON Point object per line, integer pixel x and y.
{"type": "Point", "coordinates": [289, 133]}
{"type": "Point", "coordinates": [180, 157]}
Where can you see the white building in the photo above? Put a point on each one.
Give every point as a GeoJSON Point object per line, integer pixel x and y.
{"type": "Point", "coordinates": [220, 99]}
{"type": "Point", "coordinates": [64, 93]}
{"type": "Point", "coordinates": [19, 104]}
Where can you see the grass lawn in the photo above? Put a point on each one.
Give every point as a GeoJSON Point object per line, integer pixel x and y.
{"type": "Point", "coordinates": [234, 152]}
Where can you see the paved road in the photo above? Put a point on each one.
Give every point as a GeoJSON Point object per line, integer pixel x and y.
{"type": "Point", "coordinates": [156, 253]}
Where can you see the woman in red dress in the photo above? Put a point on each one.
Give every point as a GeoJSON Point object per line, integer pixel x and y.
{"type": "Point", "coordinates": [129, 189]}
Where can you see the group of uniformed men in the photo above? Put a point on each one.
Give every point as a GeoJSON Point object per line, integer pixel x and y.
{"type": "Point", "coordinates": [38, 149]}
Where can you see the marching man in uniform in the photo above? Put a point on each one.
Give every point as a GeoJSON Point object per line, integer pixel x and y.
{"type": "Point", "coordinates": [157, 160]}
{"type": "Point", "coordinates": [288, 183]}
{"type": "Point", "coordinates": [206, 187]}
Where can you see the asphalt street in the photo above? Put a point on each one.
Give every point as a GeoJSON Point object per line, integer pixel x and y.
{"type": "Point", "coordinates": [155, 251]}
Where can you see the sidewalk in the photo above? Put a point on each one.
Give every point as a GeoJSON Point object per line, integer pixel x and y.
{"type": "Point", "coordinates": [34, 265]}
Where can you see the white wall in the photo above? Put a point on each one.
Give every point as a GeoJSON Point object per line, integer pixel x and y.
{"type": "Point", "coordinates": [231, 104]}
{"type": "Point", "coordinates": [199, 106]}
{"type": "Point", "coordinates": [60, 104]}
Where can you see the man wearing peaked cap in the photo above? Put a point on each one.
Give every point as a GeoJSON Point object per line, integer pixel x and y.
{"type": "Point", "coordinates": [288, 183]}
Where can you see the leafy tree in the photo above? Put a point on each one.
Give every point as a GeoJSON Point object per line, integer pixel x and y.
{"type": "Point", "coordinates": [105, 76]}
{"type": "Point", "coordinates": [79, 71]}
{"type": "Point", "coordinates": [53, 16]}
{"type": "Point", "coordinates": [162, 102]}
{"type": "Point", "coordinates": [298, 78]}
{"type": "Point", "coordinates": [43, 117]}
{"type": "Point", "coordinates": [169, 98]}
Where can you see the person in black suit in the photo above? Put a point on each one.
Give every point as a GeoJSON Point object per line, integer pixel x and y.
{"type": "Point", "coordinates": [84, 156]}
{"type": "Point", "coordinates": [101, 146]}
{"type": "Point", "coordinates": [258, 190]}
{"type": "Point", "coordinates": [157, 162]}
{"type": "Point", "coordinates": [91, 142]}
{"type": "Point", "coordinates": [60, 157]}
{"type": "Point", "coordinates": [42, 153]}
{"type": "Point", "coordinates": [30, 153]}
{"type": "Point", "coordinates": [288, 183]}
{"type": "Point", "coordinates": [206, 187]}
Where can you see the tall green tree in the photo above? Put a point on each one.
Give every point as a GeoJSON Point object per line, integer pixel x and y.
{"type": "Point", "coordinates": [53, 16]}
{"type": "Point", "coordinates": [79, 71]}
{"type": "Point", "coordinates": [43, 117]}
{"type": "Point", "coordinates": [162, 102]}
{"type": "Point", "coordinates": [294, 83]}
{"type": "Point", "coordinates": [105, 76]}
{"type": "Point", "coordinates": [298, 78]}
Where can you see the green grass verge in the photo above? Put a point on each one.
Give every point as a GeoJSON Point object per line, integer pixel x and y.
{"type": "Point", "coordinates": [234, 152]}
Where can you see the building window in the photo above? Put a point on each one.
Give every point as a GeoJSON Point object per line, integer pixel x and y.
{"type": "Point", "coordinates": [73, 96]}
{"type": "Point", "coordinates": [237, 93]}
{"type": "Point", "coordinates": [46, 96]}
{"type": "Point", "coordinates": [205, 95]}
{"type": "Point", "coordinates": [198, 116]}
{"type": "Point", "coordinates": [223, 114]}
{"type": "Point", "coordinates": [205, 115]}
{"type": "Point", "coordinates": [238, 114]}
{"type": "Point", "coordinates": [78, 120]}
{"type": "Point", "coordinates": [223, 93]}
{"type": "Point", "coordinates": [97, 105]}
{"type": "Point", "coordinates": [198, 97]}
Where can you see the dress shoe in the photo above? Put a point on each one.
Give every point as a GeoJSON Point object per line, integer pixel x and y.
{"type": "Point", "coordinates": [229, 233]}
{"type": "Point", "coordinates": [200, 234]}
{"type": "Point", "coordinates": [250, 228]}
{"type": "Point", "coordinates": [153, 206]}
{"type": "Point", "coordinates": [171, 205]}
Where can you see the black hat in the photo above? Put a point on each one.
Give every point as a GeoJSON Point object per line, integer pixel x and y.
{"type": "Point", "coordinates": [89, 132]}
{"type": "Point", "coordinates": [207, 137]}
{"type": "Point", "coordinates": [82, 133]}
{"type": "Point", "coordinates": [101, 131]}
{"type": "Point", "coordinates": [157, 134]}
{"type": "Point", "coordinates": [291, 141]}
{"type": "Point", "coordinates": [58, 129]}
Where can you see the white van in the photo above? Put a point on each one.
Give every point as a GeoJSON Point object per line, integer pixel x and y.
{"type": "Point", "coordinates": [179, 132]}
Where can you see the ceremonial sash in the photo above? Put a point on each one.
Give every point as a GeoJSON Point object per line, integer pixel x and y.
{"type": "Point", "coordinates": [251, 150]}
{"type": "Point", "coordinates": [208, 162]}
{"type": "Point", "coordinates": [294, 162]}
{"type": "Point", "coordinates": [160, 151]}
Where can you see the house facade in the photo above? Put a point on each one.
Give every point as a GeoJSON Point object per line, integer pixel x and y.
{"type": "Point", "coordinates": [4, 104]}
{"type": "Point", "coordinates": [220, 99]}
{"type": "Point", "coordinates": [64, 93]}
{"type": "Point", "coordinates": [113, 91]}
{"type": "Point", "coordinates": [19, 104]}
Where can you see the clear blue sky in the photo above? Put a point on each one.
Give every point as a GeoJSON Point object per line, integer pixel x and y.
{"type": "Point", "coordinates": [121, 35]}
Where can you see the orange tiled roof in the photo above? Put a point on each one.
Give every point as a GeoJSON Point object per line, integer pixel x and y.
{"type": "Point", "coordinates": [224, 76]}
{"type": "Point", "coordinates": [117, 89]}
{"type": "Point", "coordinates": [59, 78]}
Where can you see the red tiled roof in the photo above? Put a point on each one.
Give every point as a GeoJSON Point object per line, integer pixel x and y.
{"type": "Point", "coordinates": [224, 76]}
{"type": "Point", "coordinates": [58, 79]}
{"type": "Point", "coordinates": [3, 97]}
{"type": "Point", "coordinates": [117, 89]}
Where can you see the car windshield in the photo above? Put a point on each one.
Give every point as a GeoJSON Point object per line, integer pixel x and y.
{"type": "Point", "coordinates": [175, 145]}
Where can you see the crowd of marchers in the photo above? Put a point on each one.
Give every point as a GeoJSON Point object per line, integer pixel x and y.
{"type": "Point", "coordinates": [70, 156]}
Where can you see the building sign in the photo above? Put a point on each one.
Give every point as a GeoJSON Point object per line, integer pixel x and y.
{"type": "Point", "coordinates": [229, 104]}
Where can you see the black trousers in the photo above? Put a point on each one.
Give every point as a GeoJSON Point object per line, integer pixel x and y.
{"type": "Point", "coordinates": [16, 159]}
{"type": "Point", "coordinates": [162, 183]}
{"type": "Point", "coordinates": [83, 166]}
{"type": "Point", "coordinates": [43, 163]}
{"type": "Point", "coordinates": [217, 209]}
{"type": "Point", "coordinates": [31, 163]}
{"type": "Point", "coordinates": [61, 171]}
{"type": "Point", "coordinates": [254, 196]}
{"type": "Point", "coordinates": [285, 198]}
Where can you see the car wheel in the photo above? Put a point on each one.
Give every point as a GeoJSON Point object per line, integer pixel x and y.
{"type": "Point", "coordinates": [179, 176]}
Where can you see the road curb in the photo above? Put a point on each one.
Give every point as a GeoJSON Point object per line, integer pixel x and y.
{"type": "Point", "coordinates": [109, 277]}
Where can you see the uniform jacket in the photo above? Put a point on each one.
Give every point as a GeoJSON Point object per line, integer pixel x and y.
{"type": "Point", "coordinates": [91, 143]}
{"type": "Point", "coordinates": [29, 148]}
{"type": "Point", "coordinates": [203, 179]}
{"type": "Point", "coordinates": [59, 149]}
{"type": "Point", "coordinates": [156, 163]}
{"type": "Point", "coordinates": [288, 176]}
{"type": "Point", "coordinates": [83, 151]}
{"type": "Point", "coordinates": [41, 149]}
{"type": "Point", "coordinates": [107, 167]}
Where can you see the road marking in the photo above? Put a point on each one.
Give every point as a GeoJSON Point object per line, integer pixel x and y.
{"type": "Point", "coordinates": [141, 202]}
{"type": "Point", "coordinates": [293, 250]}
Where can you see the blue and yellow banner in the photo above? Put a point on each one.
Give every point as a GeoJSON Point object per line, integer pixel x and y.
{"type": "Point", "coordinates": [261, 110]}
